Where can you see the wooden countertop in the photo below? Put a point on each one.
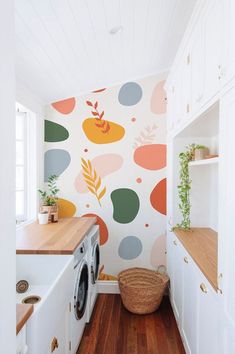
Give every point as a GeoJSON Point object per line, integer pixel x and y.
{"type": "Point", "coordinates": [202, 245]}
{"type": "Point", "coordinates": [54, 238]}
{"type": "Point", "coordinates": [23, 312]}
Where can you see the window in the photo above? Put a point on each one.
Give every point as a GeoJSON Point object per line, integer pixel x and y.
{"type": "Point", "coordinates": [26, 167]}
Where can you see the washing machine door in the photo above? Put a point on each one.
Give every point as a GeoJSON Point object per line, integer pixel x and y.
{"type": "Point", "coordinates": [81, 291]}
{"type": "Point", "coordinates": [95, 262]}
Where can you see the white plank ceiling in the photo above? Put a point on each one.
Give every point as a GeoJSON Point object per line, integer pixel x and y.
{"type": "Point", "coordinates": [64, 48]}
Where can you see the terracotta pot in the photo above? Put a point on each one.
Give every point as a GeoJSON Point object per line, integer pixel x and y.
{"type": "Point", "coordinates": [200, 154]}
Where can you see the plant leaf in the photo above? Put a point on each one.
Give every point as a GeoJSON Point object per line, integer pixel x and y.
{"type": "Point", "coordinates": [96, 105]}
{"type": "Point", "coordinates": [101, 115]}
{"type": "Point", "coordinates": [91, 190]}
{"type": "Point", "coordinates": [102, 193]}
{"type": "Point", "coordinates": [95, 113]}
{"type": "Point", "coordinates": [89, 103]}
{"type": "Point", "coordinates": [98, 184]}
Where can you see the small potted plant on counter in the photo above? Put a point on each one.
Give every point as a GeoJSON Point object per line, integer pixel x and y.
{"type": "Point", "coordinates": [49, 200]}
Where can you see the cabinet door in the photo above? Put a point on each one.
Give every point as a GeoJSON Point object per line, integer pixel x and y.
{"type": "Point", "coordinates": [185, 82]}
{"type": "Point", "coordinates": [177, 285]}
{"type": "Point", "coordinates": [226, 264]}
{"type": "Point", "coordinates": [212, 35]}
{"type": "Point", "coordinates": [197, 63]}
{"type": "Point", "coordinates": [228, 66]}
{"type": "Point", "coordinates": [208, 318]}
{"type": "Point", "coordinates": [59, 343]}
{"type": "Point", "coordinates": [189, 316]}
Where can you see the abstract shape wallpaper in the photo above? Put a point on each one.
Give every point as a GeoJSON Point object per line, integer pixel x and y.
{"type": "Point", "coordinates": [108, 148]}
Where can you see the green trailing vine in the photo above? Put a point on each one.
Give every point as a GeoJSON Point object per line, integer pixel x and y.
{"type": "Point", "coordinates": [185, 185]}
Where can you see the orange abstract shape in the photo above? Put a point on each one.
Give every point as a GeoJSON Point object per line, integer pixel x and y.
{"type": "Point", "coordinates": [103, 276]}
{"type": "Point", "coordinates": [66, 208]}
{"type": "Point", "coordinates": [151, 157]}
{"type": "Point", "coordinates": [158, 100]}
{"type": "Point", "coordinates": [100, 90]}
{"type": "Point", "coordinates": [104, 234]}
{"type": "Point", "coordinates": [158, 197]}
{"type": "Point", "coordinates": [102, 131]}
{"type": "Point", "coordinates": [65, 106]}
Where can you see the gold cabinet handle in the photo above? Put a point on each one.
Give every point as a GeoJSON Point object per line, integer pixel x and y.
{"type": "Point", "coordinates": [203, 288]}
{"type": "Point", "coordinates": [175, 242]}
{"type": "Point", "coordinates": [185, 260]}
{"type": "Point", "coordinates": [54, 344]}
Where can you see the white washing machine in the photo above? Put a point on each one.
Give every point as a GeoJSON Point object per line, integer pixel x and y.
{"type": "Point", "coordinates": [80, 297]}
{"type": "Point", "coordinates": [94, 263]}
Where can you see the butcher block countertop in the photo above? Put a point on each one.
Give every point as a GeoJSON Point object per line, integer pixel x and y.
{"type": "Point", "coordinates": [202, 245]}
{"type": "Point", "coordinates": [23, 312]}
{"type": "Point", "coordinates": [62, 237]}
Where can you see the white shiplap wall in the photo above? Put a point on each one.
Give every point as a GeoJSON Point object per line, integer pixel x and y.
{"type": "Point", "coordinates": [64, 48]}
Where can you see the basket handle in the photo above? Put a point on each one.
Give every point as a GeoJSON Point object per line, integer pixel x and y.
{"type": "Point", "coordinates": [164, 278]}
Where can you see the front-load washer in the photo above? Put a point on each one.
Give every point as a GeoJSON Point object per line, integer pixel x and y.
{"type": "Point", "coordinates": [94, 263]}
{"type": "Point", "coordinates": [80, 297]}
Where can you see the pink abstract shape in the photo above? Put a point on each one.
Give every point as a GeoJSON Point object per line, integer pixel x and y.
{"type": "Point", "coordinates": [65, 106]}
{"type": "Point", "coordinates": [158, 100]}
{"type": "Point", "coordinates": [158, 255]}
{"type": "Point", "coordinates": [151, 157]}
{"type": "Point", "coordinates": [104, 165]}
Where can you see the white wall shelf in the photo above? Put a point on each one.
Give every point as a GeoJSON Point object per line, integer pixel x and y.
{"type": "Point", "coordinates": [211, 161]}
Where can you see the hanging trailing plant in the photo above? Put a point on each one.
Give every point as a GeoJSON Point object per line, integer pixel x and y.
{"type": "Point", "coordinates": [185, 185]}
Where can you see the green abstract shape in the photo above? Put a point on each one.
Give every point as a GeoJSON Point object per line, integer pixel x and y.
{"type": "Point", "coordinates": [54, 132]}
{"type": "Point", "coordinates": [126, 205]}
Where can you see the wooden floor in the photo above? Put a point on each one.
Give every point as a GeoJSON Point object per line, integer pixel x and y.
{"type": "Point", "coordinates": [114, 330]}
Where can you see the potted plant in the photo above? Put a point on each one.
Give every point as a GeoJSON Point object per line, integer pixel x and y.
{"type": "Point", "coordinates": [200, 152]}
{"type": "Point", "coordinates": [49, 200]}
{"type": "Point", "coordinates": [184, 186]}
{"type": "Point", "coordinates": [43, 217]}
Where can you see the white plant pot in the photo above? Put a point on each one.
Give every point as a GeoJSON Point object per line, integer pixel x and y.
{"type": "Point", "coordinates": [43, 218]}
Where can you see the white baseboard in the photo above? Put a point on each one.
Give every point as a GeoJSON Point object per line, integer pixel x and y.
{"type": "Point", "coordinates": [108, 287]}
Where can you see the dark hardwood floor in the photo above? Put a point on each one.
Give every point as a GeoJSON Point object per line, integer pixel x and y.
{"type": "Point", "coordinates": [114, 330]}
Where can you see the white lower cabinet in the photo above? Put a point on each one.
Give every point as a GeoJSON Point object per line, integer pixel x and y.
{"type": "Point", "coordinates": [177, 281]}
{"type": "Point", "coordinates": [195, 303]}
{"type": "Point", "coordinates": [208, 311]}
{"type": "Point", "coordinates": [21, 345]}
{"type": "Point", "coordinates": [59, 343]}
{"type": "Point", "coordinates": [189, 310]}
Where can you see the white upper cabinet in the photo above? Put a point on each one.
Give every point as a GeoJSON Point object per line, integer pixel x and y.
{"type": "Point", "coordinates": [205, 62]}
{"type": "Point", "coordinates": [212, 36]}
{"type": "Point", "coordinates": [197, 68]}
{"type": "Point", "coordinates": [228, 63]}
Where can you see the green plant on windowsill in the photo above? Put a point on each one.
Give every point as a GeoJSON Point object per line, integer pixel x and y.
{"type": "Point", "coordinates": [50, 198]}
{"type": "Point", "coordinates": [185, 185]}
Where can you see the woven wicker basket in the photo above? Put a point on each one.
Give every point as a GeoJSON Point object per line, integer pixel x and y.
{"type": "Point", "coordinates": [142, 289]}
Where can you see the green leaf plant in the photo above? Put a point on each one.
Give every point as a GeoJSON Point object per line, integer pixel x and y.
{"type": "Point", "coordinates": [185, 185]}
{"type": "Point", "coordinates": [50, 198]}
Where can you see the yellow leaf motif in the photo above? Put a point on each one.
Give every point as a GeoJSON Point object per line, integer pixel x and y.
{"type": "Point", "coordinates": [93, 181]}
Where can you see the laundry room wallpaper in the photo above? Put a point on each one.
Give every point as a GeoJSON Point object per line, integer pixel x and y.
{"type": "Point", "coordinates": [109, 150]}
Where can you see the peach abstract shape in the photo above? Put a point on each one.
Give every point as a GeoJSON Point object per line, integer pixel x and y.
{"type": "Point", "coordinates": [158, 100]}
{"type": "Point", "coordinates": [65, 106]}
{"type": "Point", "coordinates": [158, 255]}
{"type": "Point", "coordinates": [158, 197]}
{"type": "Point", "coordinates": [151, 157]}
{"type": "Point", "coordinates": [104, 234]}
{"type": "Point", "coordinates": [104, 165]}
